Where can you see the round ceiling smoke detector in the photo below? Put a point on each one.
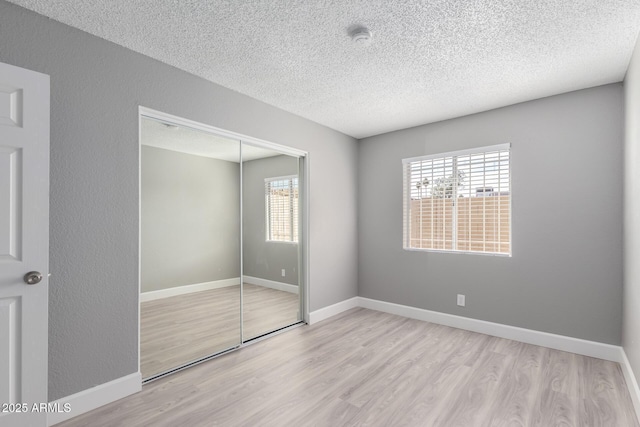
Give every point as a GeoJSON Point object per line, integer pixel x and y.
{"type": "Point", "coordinates": [361, 35]}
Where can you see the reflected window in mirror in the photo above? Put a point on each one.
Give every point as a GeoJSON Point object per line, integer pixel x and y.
{"type": "Point", "coordinates": [281, 205]}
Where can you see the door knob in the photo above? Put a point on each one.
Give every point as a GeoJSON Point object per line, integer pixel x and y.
{"type": "Point", "coordinates": [32, 277]}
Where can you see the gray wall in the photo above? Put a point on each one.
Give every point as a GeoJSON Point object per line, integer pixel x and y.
{"type": "Point", "coordinates": [190, 219]}
{"type": "Point", "coordinates": [565, 276]}
{"type": "Point", "coordinates": [96, 88]}
{"type": "Point", "coordinates": [261, 258]}
{"type": "Point", "coordinates": [631, 319]}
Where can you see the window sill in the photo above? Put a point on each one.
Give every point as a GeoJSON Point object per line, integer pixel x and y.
{"type": "Point", "coordinates": [281, 241]}
{"type": "Point", "coordinates": [449, 251]}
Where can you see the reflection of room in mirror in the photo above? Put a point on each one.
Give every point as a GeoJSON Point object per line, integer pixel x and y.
{"type": "Point", "coordinates": [270, 264]}
{"type": "Point", "coordinates": [190, 209]}
{"type": "Point", "coordinates": [191, 250]}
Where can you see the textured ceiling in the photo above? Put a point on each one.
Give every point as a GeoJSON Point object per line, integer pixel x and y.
{"type": "Point", "coordinates": [429, 60]}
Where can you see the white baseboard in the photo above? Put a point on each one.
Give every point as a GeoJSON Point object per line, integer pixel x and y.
{"type": "Point", "coordinates": [332, 310]}
{"type": "Point", "coordinates": [529, 336]}
{"type": "Point", "coordinates": [271, 284]}
{"type": "Point", "coordinates": [632, 383]}
{"type": "Point", "coordinates": [187, 289]}
{"type": "Point", "coordinates": [95, 397]}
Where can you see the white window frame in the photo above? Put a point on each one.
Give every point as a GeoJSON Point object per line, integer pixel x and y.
{"type": "Point", "coordinates": [293, 224]}
{"type": "Point", "coordinates": [406, 171]}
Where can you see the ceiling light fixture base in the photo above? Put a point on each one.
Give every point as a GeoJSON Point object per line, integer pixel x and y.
{"type": "Point", "coordinates": [361, 35]}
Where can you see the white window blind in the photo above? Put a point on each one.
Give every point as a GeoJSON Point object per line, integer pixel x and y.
{"type": "Point", "coordinates": [281, 202]}
{"type": "Point", "coordinates": [459, 201]}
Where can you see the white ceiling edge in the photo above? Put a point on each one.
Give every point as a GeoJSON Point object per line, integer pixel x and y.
{"type": "Point", "coordinates": [428, 61]}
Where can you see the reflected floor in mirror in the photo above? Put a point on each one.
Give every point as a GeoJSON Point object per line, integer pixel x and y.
{"type": "Point", "coordinates": [267, 309]}
{"type": "Point", "coordinates": [179, 329]}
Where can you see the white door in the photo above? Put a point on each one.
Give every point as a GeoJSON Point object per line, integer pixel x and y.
{"type": "Point", "coordinates": [24, 245]}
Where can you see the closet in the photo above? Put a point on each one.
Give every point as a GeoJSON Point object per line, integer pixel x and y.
{"type": "Point", "coordinates": [222, 241]}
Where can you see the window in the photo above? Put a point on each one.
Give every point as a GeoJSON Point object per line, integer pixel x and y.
{"type": "Point", "coordinates": [459, 201]}
{"type": "Point", "coordinates": [281, 201]}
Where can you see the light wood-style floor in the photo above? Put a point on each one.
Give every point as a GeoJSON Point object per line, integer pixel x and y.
{"type": "Point", "coordinates": [180, 329]}
{"type": "Point", "coordinates": [367, 368]}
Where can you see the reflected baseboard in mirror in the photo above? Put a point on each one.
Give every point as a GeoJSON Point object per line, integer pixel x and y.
{"type": "Point", "coordinates": [183, 328]}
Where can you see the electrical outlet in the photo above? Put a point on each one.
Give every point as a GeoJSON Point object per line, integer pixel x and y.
{"type": "Point", "coordinates": [283, 272]}
{"type": "Point", "coordinates": [461, 299]}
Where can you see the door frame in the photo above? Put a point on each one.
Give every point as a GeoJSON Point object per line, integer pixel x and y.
{"type": "Point", "coordinates": [303, 247]}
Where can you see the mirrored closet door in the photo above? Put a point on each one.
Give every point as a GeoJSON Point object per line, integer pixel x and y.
{"type": "Point", "coordinates": [220, 250]}
{"type": "Point", "coordinates": [270, 261]}
{"type": "Point", "coordinates": [190, 246]}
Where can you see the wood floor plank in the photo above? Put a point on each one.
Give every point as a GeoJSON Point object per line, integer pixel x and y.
{"type": "Point", "coordinates": [310, 375]}
{"type": "Point", "coordinates": [390, 404]}
{"type": "Point", "coordinates": [558, 401]}
{"type": "Point", "coordinates": [598, 392]}
{"type": "Point", "coordinates": [366, 368]}
{"type": "Point", "coordinates": [391, 368]}
{"type": "Point", "coordinates": [519, 388]}
{"type": "Point", "coordinates": [476, 395]}
{"type": "Point", "coordinates": [434, 393]}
